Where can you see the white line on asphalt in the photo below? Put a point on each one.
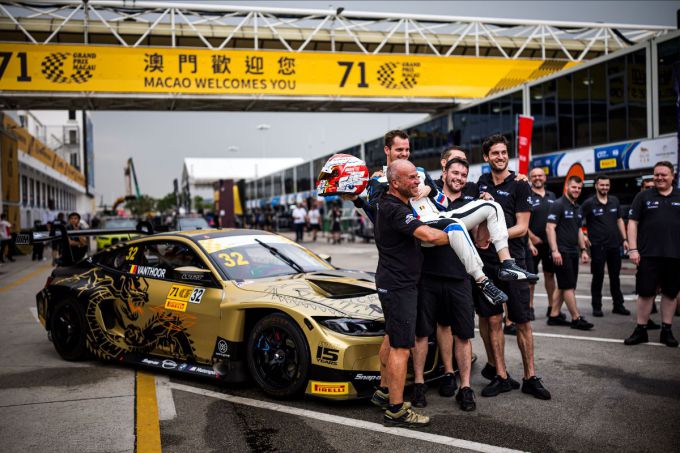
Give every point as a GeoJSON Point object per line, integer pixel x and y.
{"type": "Point", "coordinates": [598, 339]}
{"type": "Point", "coordinates": [166, 404]}
{"type": "Point", "coordinates": [580, 296]}
{"type": "Point", "coordinates": [351, 422]}
{"type": "Point", "coordinates": [34, 311]}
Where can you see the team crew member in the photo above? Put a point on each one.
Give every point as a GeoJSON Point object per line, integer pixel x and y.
{"type": "Point", "coordinates": [445, 301]}
{"type": "Point", "coordinates": [399, 261]}
{"type": "Point", "coordinates": [470, 191]}
{"type": "Point", "coordinates": [299, 215]}
{"type": "Point", "coordinates": [653, 227]}
{"type": "Point", "coordinates": [540, 200]}
{"type": "Point", "coordinates": [606, 234]}
{"type": "Point", "coordinates": [428, 210]}
{"type": "Point", "coordinates": [513, 196]}
{"type": "Point", "coordinates": [648, 183]}
{"type": "Point", "coordinates": [314, 217]}
{"type": "Point", "coordinates": [565, 238]}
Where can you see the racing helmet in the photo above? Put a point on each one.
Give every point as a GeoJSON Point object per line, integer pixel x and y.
{"type": "Point", "coordinates": [342, 174]}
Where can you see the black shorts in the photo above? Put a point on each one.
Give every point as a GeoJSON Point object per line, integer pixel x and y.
{"type": "Point", "coordinates": [314, 227]}
{"type": "Point", "coordinates": [400, 308]}
{"type": "Point", "coordinates": [544, 256]}
{"type": "Point", "coordinates": [447, 302]}
{"type": "Point", "coordinates": [656, 273]}
{"type": "Point", "coordinates": [567, 273]}
{"type": "Point", "coordinates": [518, 297]}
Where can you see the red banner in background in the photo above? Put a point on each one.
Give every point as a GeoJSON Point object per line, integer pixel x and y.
{"type": "Point", "coordinates": [525, 125]}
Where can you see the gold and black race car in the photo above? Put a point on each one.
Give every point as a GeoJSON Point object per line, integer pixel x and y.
{"type": "Point", "coordinates": [223, 304]}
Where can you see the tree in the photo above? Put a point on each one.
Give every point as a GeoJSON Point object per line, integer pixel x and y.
{"type": "Point", "coordinates": [167, 203]}
{"type": "Point", "coordinates": [141, 205]}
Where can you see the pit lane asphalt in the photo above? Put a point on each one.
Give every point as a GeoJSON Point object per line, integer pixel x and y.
{"type": "Point", "coordinates": [606, 396]}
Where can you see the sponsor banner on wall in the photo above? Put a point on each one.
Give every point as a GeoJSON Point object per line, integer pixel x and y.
{"type": "Point", "coordinates": [115, 69]}
{"type": "Point", "coordinates": [30, 145]}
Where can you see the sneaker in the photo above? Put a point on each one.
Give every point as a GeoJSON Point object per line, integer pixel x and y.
{"type": "Point", "coordinates": [494, 295]}
{"type": "Point", "coordinates": [668, 339]}
{"type": "Point", "coordinates": [513, 383]}
{"type": "Point", "coordinates": [533, 386]}
{"type": "Point", "coordinates": [638, 336]}
{"type": "Point", "coordinates": [532, 314]}
{"type": "Point", "coordinates": [448, 386]}
{"type": "Point", "coordinates": [651, 325]}
{"type": "Point", "coordinates": [510, 329]}
{"type": "Point", "coordinates": [380, 399]}
{"type": "Point", "coordinates": [557, 321]}
{"type": "Point", "coordinates": [597, 312]}
{"type": "Point", "coordinates": [510, 271]}
{"type": "Point", "coordinates": [405, 418]}
{"type": "Point", "coordinates": [497, 386]}
{"type": "Point", "coordinates": [580, 323]}
{"type": "Point", "coordinates": [418, 398]}
{"type": "Point", "coordinates": [489, 371]}
{"type": "Point", "coordinates": [620, 310]}
{"type": "Point", "coordinates": [466, 399]}
{"type": "Point", "coordinates": [561, 315]}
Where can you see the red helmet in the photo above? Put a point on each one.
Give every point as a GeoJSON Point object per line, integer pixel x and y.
{"type": "Point", "coordinates": [342, 174]}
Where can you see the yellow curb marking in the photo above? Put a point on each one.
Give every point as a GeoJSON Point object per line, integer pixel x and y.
{"type": "Point", "coordinates": [146, 414]}
{"type": "Point", "coordinates": [25, 278]}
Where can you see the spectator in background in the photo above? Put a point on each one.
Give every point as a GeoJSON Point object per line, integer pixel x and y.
{"type": "Point", "coordinates": [336, 217]}
{"type": "Point", "coordinates": [5, 238]}
{"type": "Point", "coordinates": [38, 248]}
{"type": "Point", "coordinates": [299, 220]}
{"type": "Point", "coordinates": [78, 245]}
{"type": "Point", "coordinates": [55, 247]}
{"type": "Point", "coordinates": [314, 217]}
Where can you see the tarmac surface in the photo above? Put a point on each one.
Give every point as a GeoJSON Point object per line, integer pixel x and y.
{"type": "Point", "coordinates": [606, 396]}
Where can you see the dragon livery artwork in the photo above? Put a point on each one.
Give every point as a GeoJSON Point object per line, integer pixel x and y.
{"type": "Point", "coordinates": [225, 304]}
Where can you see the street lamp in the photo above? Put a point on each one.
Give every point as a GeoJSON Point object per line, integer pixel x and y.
{"type": "Point", "coordinates": [262, 128]}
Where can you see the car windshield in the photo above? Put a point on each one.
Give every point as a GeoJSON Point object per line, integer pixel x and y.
{"type": "Point", "coordinates": [119, 223]}
{"type": "Point", "coordinates": [192, 223]}
{"type": "Point", "coordinates": [244, 258]}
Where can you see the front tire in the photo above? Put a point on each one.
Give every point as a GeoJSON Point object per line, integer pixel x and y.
{"type": "Point", "coordinates": [69, 330]}
{"type": "Point", "coordinates": [278, 356]}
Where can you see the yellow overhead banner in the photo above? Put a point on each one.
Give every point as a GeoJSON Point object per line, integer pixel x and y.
{"type": "Point", "coordinates": [104, 69]}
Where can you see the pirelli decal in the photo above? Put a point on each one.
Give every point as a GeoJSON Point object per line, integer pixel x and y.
{"type": "Point", "coordinates": [180, 295]}
{"type": "Point", "coordinates": [329, 388]}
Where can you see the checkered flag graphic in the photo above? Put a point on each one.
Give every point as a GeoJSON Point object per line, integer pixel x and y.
{"type": "Point", "coordinates": [52, 68]}
{"type": "Point", "coordinates": [386, 75]}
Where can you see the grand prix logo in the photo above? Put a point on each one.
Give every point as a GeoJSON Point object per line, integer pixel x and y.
{"type": "Point", "coordinates": [399, 76]}
{"type": "Point", "coordinates": [67, 67]}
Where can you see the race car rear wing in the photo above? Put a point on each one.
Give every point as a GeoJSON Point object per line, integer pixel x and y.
{"type": "Point", "coordinates": [60, 233]}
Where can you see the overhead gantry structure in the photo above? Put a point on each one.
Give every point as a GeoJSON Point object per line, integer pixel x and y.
{"type": "Point", "coordinates": [385, 42]}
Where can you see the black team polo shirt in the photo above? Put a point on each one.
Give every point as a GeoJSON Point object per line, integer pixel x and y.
{"type": "Point", "coordinates": [658, 219]}
{"type": "Point", "coordinates": [601, 220]}
{"type": "Point", "coordinates": [513, 196]}
{"type": "Point", "coordinates": [567, 217]}
{"type": "Point", "coordinates": [540, 208]}
{"type": "Point", "coordinates": [399, 255]}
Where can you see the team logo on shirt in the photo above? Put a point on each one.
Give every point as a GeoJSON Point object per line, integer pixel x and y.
{"type": "Point", "coordinates": [552, 217]}
{"type": "Point", "coordinates": [652, 204]}
{"type": "Point", "coordinates": [409, 218]}
{"type": "Point", "coordinates": [503, 193]}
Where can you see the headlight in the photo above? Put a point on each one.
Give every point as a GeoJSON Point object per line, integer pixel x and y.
{"type": "Point", "coordinates": [356, 327]}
